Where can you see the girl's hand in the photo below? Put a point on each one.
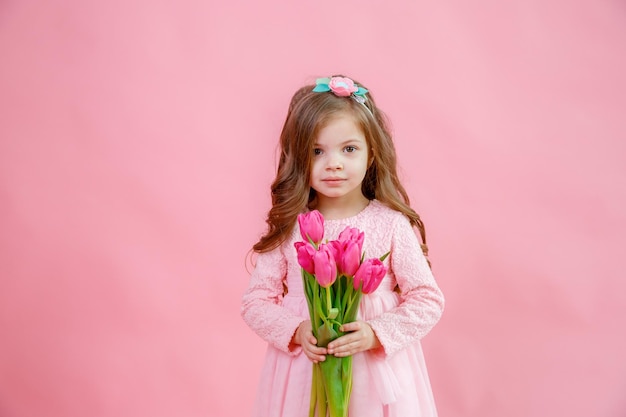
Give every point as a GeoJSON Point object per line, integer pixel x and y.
{"type": "Point", "coordinates": [304, 337]}
{"type": "Point", "coordinates": [360, 337]}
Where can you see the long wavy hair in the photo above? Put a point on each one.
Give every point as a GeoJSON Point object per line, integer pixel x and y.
{"type": "Point", "coordinates": [308, 113]}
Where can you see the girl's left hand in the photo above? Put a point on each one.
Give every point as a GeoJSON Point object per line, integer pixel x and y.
{"type": "Point", "coordinates": [360, 337]}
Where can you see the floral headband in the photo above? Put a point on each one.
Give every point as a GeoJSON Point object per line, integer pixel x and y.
{"type": "Point", "coordinates": [342, 87]}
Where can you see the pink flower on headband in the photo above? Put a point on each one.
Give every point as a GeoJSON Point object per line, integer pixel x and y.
{"type": "Point", "coordinates": [342, 86]}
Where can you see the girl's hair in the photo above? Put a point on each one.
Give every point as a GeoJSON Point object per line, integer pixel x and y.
{"type": "Point", "coordinates": [308, 113]}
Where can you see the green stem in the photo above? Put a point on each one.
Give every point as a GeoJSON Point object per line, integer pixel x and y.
{"type": "Point", "coordinates": [329, 303]}
{"type": "Point", "coordinates": [314, 389]}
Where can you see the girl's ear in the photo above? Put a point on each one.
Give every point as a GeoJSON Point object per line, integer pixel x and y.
{"type": "Point", "coordinates": [371, 158]}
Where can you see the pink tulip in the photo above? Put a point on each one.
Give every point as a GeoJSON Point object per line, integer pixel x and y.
{"type": "Point", "coordinates": [351, 259]}
{"type": "Point", "coordinates": [325, 266]}
{"type": "Point", "coordinates": [305, 256]}
{"type": "Point", "coordinates": [353, 234]}
{"type": "Point", "coordinates": [311, 226]}
{"type": "Point", "coordinates": [348, 256]}
{"type": "Point", "coordinates": [370, 274]}
{"type": "Point", "coordinates": [336, 247]}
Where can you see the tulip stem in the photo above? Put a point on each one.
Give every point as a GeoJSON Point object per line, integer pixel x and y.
{"type": "Point", "coordinates": [328, 302]}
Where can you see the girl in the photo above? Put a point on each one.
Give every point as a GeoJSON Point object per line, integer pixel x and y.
{"type": "Point", "coordinates": [337, 157]}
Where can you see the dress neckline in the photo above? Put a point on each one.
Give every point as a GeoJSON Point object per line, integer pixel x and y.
{"type": "Point", "coordinates": [354, 216]}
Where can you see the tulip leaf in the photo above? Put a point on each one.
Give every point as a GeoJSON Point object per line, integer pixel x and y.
{"type": "Point", "coordinates": [321, 392]}
{"type": "Point", "coordinates": [336, 392]}
{"type": "Point", "coordinates": [325, 334]}
{"type": "Point", "coordinates": [314, 389]}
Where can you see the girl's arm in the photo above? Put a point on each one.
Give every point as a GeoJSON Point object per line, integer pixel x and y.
{"type": "Point", "coordinates": [261, 306]}
{"type": "Point", "coordinates": [421, 302]}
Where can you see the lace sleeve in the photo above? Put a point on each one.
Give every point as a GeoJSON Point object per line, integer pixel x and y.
{"type": "Point", "coordinates": [421, 302]}
{"type": "Point", "coordinates": [261, 306]}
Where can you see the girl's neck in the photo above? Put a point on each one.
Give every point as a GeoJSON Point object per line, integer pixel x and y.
{"type": "Point", "coordinates": [340, 208]}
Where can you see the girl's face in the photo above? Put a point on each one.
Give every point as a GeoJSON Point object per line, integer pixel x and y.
{"type": "Point", "coordinates": [340, 160]}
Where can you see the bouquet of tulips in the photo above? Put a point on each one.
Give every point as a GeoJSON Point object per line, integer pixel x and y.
{"type": "Point", "coordinates": [334, 274]}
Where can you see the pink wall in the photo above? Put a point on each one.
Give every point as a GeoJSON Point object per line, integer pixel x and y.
{"type": "Point", "coordinates": [137, 145]}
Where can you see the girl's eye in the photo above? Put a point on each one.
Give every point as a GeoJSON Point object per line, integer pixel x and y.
{"type": "Point", "coordinates": [317, 151]}
{"type": "Point", "coordinates": [350, 148]}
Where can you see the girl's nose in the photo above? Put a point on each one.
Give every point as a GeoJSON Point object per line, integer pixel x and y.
{"type": "Point", "coordinates": [335, 165]}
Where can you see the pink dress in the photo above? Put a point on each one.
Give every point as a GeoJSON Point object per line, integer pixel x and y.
{"type": "Point", "coordinates": [391, 381]}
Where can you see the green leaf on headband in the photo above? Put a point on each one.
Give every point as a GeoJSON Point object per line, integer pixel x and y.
{"type": "Point", "coordinates": [361, 91]}
{"type": "Point", "coordinates": [321, 88]}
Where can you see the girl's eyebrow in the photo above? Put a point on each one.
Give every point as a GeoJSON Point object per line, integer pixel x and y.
{"type": "Point", "coordinates": [344, 143]}
{"type": "Point", "coordinates": [352, 140]}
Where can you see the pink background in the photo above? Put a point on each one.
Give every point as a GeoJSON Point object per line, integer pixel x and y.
{"type": "Point", "coordinates": [137, 144]}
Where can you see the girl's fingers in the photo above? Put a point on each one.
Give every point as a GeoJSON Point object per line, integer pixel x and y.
{"type": "Point", "coordinates": [359, 337]}
{"type": "Point", "coordinates": [342, 345]}
{"type": "Point", "coordinates": [318, 350]}
{"type": "Point", "coordinates": [350, 327]}
{"type": "Point", "coordinates": [316, 354]}
{"type": "Point", "coordinates": [346, 339]}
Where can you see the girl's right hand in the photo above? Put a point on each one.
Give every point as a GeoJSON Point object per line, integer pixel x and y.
{"type": "Point", "coordinates": [304, 337]}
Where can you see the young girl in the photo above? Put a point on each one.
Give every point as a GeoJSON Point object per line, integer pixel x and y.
{"type": "Point", "coordinates": [337, 157]}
